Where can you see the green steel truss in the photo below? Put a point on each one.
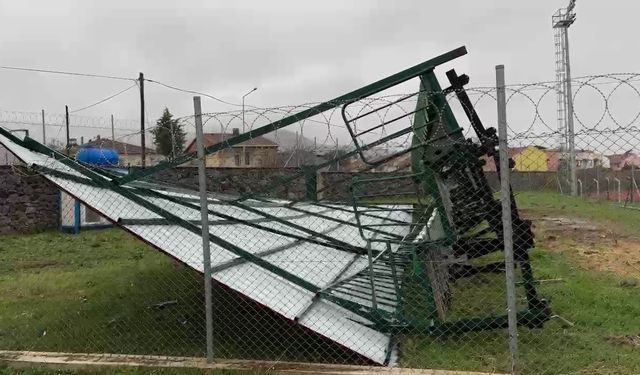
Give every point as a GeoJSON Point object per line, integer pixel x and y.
{"type": "Point", "coordinates": [454, 214]}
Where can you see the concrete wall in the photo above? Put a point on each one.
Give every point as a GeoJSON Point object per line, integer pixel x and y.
{"type": "Point", "coordinates": [28, 202]}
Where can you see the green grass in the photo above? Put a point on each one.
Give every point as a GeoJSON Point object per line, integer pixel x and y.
{"type": "Point", "coordinates": [601, 211]}
{"type": "Point", "coordinates": [603, 312]}
{"type": "Point", "coordinates": [95, 292]}
{"type": "Point", "coordinates": [594, 302]}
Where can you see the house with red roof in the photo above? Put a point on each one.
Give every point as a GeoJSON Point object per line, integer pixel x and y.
{"type": "Point", "coordinates": [257, 152]}
{"type": "Point", "coordinates": [625, 160]}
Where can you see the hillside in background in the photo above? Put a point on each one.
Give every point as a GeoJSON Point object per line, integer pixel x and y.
{"type": "Point", "coordinates": [287, 140]}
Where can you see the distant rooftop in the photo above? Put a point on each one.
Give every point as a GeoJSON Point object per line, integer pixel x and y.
{"type": "Point", "coordinates": [122, 148]}
{"type": "Point", "coordinates": [214, 138]}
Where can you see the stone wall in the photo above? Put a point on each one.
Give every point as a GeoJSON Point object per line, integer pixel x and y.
{"type": "Point", "coordinates": [28, 202]}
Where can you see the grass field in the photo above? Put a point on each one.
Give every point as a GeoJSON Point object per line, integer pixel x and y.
{"type": "Point", "coordinates": [104, 291]}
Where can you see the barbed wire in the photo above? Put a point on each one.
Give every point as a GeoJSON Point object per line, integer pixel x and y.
{"type": "Point", "coordinates": [386, 119]}
{"type": "Point", "coordinates": [603, 103]}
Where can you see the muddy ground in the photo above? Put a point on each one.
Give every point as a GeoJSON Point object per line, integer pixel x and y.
{"type": "Point", "coordinates": [594, 246]}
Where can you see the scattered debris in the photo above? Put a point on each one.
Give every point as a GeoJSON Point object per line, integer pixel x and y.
{"type": "Point", "coordinates": [629, 283]}
{"type": "Point", "coordinates": [162, 305]}
{"type": "Point", "coordinates": [565, 322]}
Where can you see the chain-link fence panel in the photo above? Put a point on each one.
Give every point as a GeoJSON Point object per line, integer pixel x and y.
{"type": "Point", "coordinates": [364, 230]}
{"type": "Point", "coordinates": [574, 177]}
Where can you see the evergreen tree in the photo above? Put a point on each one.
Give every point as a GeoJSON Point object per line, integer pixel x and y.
{"type": "Point", "coordinates": [168, 136]}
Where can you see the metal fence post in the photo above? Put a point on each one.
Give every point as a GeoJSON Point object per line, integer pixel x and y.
{"type": "Point", "coordinates": [505, 194]}
{"type": "Point", "coordinates": [44, 134]}
{"type": "Point", "coordinates": [204, 213]}
{"type": "Point", "coordinates": [580, 185]}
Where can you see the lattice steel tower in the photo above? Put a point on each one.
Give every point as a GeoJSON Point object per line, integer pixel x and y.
{"type": "Point", "coordinates": [561, 21]}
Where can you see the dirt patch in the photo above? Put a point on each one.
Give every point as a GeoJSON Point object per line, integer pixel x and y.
{"type": "Point", "coordinates": [592, 245]}
{"type": "Point", "coordinates": [626, 340]}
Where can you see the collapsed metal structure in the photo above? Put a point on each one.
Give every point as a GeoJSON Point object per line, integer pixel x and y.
{"type": "Point", "coordinates": [381, 253]}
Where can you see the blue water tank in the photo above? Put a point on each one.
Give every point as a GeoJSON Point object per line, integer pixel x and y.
{"type": "Point", "coordinates": [103, 157]}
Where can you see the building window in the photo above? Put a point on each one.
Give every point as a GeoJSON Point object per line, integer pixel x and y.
{"type": "Point", "coordinates": [237, 159]}
{"type": "Point", "coordinates": [247, 158]}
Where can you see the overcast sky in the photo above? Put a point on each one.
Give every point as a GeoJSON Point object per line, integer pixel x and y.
{"type": "Point", "coordinates": [293, 51]}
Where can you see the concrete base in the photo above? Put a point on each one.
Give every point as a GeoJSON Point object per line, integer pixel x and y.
{"type": "Point", "coordinates": [80, 360]}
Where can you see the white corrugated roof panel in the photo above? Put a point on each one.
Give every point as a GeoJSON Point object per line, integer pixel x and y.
{"type": "Point", "coordinates": [317, 258]}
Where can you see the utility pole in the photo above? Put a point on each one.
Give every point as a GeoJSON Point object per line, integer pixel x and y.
{"type": "Point", "coordinates": [44, 136]}
{"type": "Point", "coordinates": [244, 96]}
{"type": "Point", "coordinates": [204, 216]}
{"type": "Point", "coordinates": [113, 133]}
{"type": "Point", "coordinates": [142, 135]}
{"type": "Point", "coordinates": [66, 117]}
{"type": "Point", "coordinates": [561, 21]}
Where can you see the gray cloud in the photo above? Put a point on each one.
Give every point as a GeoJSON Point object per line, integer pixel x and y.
{"type": "Point", "coordinates": [294, 51]}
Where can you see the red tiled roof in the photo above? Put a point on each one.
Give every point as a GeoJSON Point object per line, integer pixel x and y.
{"type": "Point", "coordinates": [121, 147]}
{"type": "Point", "coordinates": [618, 158]}
{"type": "Point", "coordinates": [214, 138]}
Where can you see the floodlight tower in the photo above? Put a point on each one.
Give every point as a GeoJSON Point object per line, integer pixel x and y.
{"type": "Point", "coordinates": [561, 21]}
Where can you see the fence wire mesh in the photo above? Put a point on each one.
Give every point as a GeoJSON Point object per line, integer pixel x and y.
{"type": "Point", "coordinates": [365, 232]}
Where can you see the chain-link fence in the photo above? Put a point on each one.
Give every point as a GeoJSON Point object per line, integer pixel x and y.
{"type": "Point", "coordinates": [368, 230]}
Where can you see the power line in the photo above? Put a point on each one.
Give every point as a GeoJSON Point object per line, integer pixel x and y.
{"type": "Point", "coordinates": [65, 73]}
{"type": "Point", "coordinates": [193, 92]}
{"type": "Point", "coordinates": [105, 99]}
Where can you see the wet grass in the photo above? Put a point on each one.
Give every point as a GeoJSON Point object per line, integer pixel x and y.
{"type": "Point", "coordinates": [606, 316]}
{"type": "Point", "coordinates": [107, 292]}
{"type": "Point", "coordinates": [95, 292]}
{"type": "Point", "coordinates": [601, 310]}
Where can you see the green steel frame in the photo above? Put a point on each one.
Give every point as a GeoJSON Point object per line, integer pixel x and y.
{"type": "Point", "coordinates": [437, 143]}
